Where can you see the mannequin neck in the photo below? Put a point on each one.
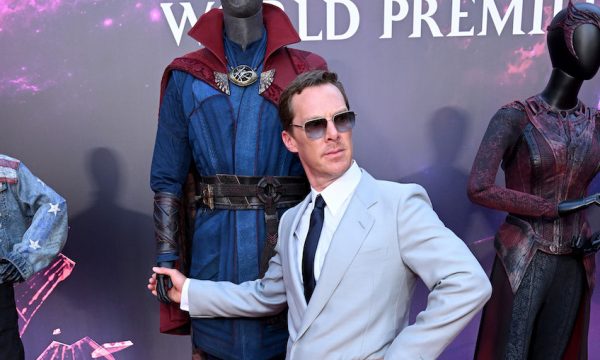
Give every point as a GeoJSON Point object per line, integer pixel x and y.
{"type": "Point", "coordinates": [244, 31]}
{"type": "Point", "coordinates": [562, 90]}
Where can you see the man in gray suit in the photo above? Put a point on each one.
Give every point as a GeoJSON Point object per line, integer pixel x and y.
{"type": "Point", "coordinates": [349, 254]}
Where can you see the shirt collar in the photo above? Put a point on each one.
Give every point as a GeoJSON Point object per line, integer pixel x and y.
{"type": "Point", "coordinates": [338, 191]}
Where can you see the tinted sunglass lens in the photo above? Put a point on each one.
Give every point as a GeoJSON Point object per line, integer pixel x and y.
{"type": "Point", "coordinates": [315, 128]}
{"type": "Point", "coordinates": [344, 121]}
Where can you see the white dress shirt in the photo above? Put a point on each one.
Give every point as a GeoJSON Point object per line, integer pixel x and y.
{"type": "Point", "coordinates": [337, 197]}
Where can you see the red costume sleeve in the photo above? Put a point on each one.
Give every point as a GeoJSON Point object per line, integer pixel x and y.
{"type": "Point", "coordinates": [499, 144]}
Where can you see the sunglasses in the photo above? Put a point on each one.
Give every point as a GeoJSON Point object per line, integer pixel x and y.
{"type": "Point", "coordinates": [316, 128]}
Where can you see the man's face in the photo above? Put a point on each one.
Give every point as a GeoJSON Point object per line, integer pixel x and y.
{"type": "Point", "coordinates": [241, 8]}
{"type": "Point", "coordinates": [327, 158]}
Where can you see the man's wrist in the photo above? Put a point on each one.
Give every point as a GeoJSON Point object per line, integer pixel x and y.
{"type": "Point", "coordinates": [185, 304]}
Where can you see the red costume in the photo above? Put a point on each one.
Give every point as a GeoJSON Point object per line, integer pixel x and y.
{"type": "Point", "coordinates": [287, 62]}
{"type": "Point", "coordinates": [549, 146]}
{"type": "Point", "coordinates": [547, 157]}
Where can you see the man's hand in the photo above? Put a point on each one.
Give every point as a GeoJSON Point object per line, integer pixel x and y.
{"type": "Point", "coordinates": [176, 277]}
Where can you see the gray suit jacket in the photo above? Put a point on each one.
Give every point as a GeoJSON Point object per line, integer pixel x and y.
{"type": "Point", "coordinates": [388, 236]}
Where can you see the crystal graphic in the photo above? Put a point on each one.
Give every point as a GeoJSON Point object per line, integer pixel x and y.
{"type": "Point", "coordinates": [32, 294]}
{"type": "Point", "coordinates": [82, 349]}
{"type": "Point", "coordinates": [110, 348]}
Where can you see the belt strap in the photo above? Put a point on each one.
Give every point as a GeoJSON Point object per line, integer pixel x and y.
{"type": "Point", "coordinates": [235, 192]}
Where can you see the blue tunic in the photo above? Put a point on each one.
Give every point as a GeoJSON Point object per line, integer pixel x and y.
{"type": "Point", "coordinates": [237, 134]}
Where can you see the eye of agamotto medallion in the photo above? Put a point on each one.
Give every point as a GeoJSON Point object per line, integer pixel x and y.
{"type": "Point", "coordinates": [243, 75]}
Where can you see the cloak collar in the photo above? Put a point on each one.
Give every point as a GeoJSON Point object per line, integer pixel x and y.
{"type": "Point", "coordinates": [209, 31]}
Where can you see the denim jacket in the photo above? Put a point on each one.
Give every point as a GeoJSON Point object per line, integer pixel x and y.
{"type": "Point", "coordinates": [33, 219]}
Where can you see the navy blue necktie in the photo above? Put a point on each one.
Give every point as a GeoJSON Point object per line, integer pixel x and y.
{"type": "Point", "coordinates": [310, 247]}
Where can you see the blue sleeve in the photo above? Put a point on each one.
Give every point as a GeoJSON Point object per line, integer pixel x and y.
{"type": "Point", "coordinates": [172, 154]}
{"type": "Point", "coordinates": [47, 233]}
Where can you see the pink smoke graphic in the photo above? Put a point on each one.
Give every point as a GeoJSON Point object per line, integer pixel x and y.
{"type": "Point", "coordinates": [27, 83]}
{"type": "Point", "coordinates": [22, 20]}
{"type": "Point", "coordinates": [525, 59]}
{"type": "Point", "coordinates": [24, 83]}
{"type": "Point", "coordinates": [155, 15]}
{"type": "Point", "coordinates": [17, 13]}
{"type": "Point", "coordinates": [13, 9]}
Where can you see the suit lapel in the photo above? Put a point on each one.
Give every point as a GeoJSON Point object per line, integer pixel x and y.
{"type": "Point", "coordinates": [292, 250]}
{"type": "Point", "coordinates": [347, 240]}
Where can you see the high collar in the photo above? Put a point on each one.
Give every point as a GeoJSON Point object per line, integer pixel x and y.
{"type": "Point", "coordinates": [209, 31]}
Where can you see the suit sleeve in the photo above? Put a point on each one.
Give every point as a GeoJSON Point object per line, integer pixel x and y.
{"type": "Point", "coordinates": [262, 297]}
{"type": "Point", "coordinates": [458, 285]}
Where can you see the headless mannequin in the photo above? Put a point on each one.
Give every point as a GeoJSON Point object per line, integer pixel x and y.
{"type": "Point", "coordinates": [243, 22]}
{"type": "Point", "coordinates": [539, 276]}
{"type": "Point", "coordinates": [218, 115]}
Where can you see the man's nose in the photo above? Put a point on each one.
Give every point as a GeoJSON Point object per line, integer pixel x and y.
{"type": "Point", "coordinates": [331, 131]}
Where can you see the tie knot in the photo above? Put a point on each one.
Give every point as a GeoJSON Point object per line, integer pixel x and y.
{"type": "Point", "coordinates": [320, 203]}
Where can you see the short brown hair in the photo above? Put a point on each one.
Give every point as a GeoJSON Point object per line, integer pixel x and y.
{"type": "Point", "coordinates": [303, 81]}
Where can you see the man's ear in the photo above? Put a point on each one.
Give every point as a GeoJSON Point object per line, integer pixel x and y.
{"type": "Point", "coordinates": [289, 141]}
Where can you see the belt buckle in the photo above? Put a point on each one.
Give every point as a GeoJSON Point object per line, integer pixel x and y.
{"type": "Point", "coordinates": [268, 189]}
{"type": "Point", "coordinates": [208, 197]}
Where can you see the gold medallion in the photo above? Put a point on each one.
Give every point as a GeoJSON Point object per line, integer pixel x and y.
{"type": "Point", "coordinates": [243, 75]}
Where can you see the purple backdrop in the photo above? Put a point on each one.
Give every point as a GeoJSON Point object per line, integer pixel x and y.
{"type": "Point", "coordinates": [79, 83]}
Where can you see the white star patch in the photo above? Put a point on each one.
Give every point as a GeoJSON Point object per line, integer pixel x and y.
{"type": "Point", "coordinates": [34, 244]}
{"type": "Point", "coordinates": [54, 208]}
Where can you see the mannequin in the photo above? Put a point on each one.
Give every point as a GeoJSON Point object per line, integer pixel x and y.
{"type": "Point", "coordinates": [219, 167]}
{"type": "Point", "coordinates": [243, 21]}
{"type": "Point", "coordinates": [549, 146]}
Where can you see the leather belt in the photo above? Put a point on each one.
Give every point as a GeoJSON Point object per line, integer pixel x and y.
{"type": "Point", "coordinates": [235, 192]}
{"type": "Point", "coordinates": [554, 249]}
